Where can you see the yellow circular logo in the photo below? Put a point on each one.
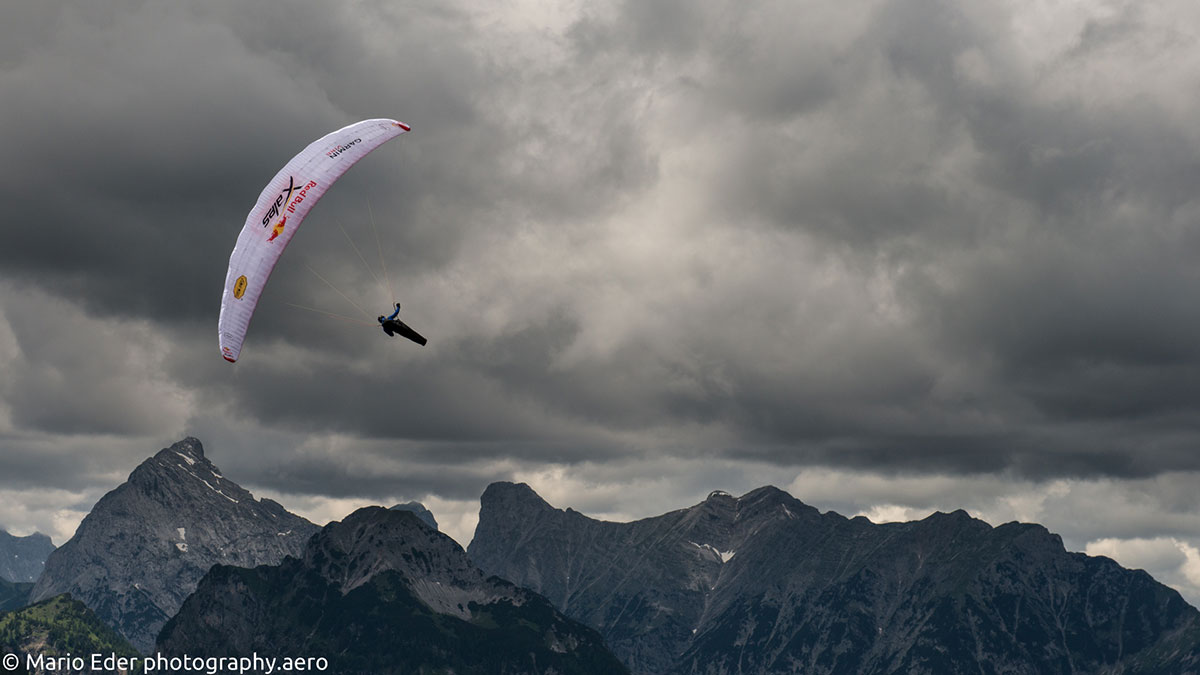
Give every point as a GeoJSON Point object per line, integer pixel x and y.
{"type": "Point", "coordinates": [239, 287]}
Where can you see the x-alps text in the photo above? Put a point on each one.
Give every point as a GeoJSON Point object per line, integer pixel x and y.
{"type": "Point", "coordinates": [300, 197]}
{"type": "Point", "coordinates": [284, 196]}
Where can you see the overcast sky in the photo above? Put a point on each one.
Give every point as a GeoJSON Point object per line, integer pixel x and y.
{"type": "Point", "coordinates": [893, 256]}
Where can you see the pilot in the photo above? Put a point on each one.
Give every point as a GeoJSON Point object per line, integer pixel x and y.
{"type": "Point", "coordinates": [391, 325]}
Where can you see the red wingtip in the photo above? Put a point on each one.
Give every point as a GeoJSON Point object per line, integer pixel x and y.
{"type": "Point", "coordinates": [228, 359]}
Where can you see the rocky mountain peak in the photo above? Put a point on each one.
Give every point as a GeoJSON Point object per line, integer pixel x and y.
{"type": "Point", "coordinates": [146, 544]}
{"type": "Point", "coordinates": [954, 523]}
{"type": "Point", "coordinates": [373, 540]}
{"type": "Point", "coordinates": [418, 508]}
{"type": "Point", "coordinates": [189, 447]}
{"type": "Point", "coordinates": [957, 517]}
{"type": "Point", "coordinates": [1031, 536]}
{"type": "Point", "coordinates": [182, 474]}
{"type": "Point", "coordinates": [764, 491]}
{"type": "Point", "coordinates": [722, 522]}
{"type": "Point", "coordinates": [517, 495]}
{"type": "Point", "coordinates": [754, 501]}
{"type": "Point", "coordinates": [773, 503]}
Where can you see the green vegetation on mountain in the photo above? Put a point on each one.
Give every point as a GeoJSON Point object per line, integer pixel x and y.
{"type": "Point", "coordinates": [57, 627]}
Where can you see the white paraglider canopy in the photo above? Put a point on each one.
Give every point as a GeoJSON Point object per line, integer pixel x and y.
{"type": "Point", "coordinates": [279, 211]}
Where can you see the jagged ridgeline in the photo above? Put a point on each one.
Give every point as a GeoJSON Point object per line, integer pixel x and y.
{"type": "Point", "coordinates": [58, 627]}
{"type": "Point", "coordinates": [767, 584]}
{"type": "Point", "coordinates": [146, 544]}
{"type": "Point", "coordinates": [382, 592]}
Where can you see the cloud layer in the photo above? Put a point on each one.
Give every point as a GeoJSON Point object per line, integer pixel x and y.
{"type": "Point", "coordinates": [921, 239]}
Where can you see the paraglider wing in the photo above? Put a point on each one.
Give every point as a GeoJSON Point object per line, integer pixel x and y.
{"type": "Point", "coordinates": [279, 211]}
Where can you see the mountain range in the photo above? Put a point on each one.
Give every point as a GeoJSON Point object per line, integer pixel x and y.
{"type": "Point", "coordinates": [767, 584]}
{"type": "Point", "coordinates": [182, 559]}
{"type": "Point", "coordinates": [383, 592]}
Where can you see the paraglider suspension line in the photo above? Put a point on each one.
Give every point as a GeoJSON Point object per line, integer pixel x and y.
{"type": "Point", "coordinates": [331, 315]}
{"type": "Point", "coordinates": [335, 290]}
{"type": "Point", "coordinates": [382, 261]}
{"type": "Point", "coordinates": [365, 265]}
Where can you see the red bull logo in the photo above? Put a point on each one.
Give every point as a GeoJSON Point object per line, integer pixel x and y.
{"type": "Point", "coordinates": [278, 229]}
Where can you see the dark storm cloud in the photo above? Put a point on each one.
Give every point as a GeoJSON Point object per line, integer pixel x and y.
{"type": "Point", "coordinates": [886, 235]}
{"type": "Point", "coordinates": [129, 191]}
{"type": "Point", "coordinates": [73, 464]}
{"type": "Point", "coordinates": [1039, 235]}
{"type": "Point", "coordinates": [66, 372]}
{"type": "Point", "coordinates": [340, 466]}
{"type": "Point", "coordinates": [118, 187]}
{"type": "Point", "coordinates": [332, 476]}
